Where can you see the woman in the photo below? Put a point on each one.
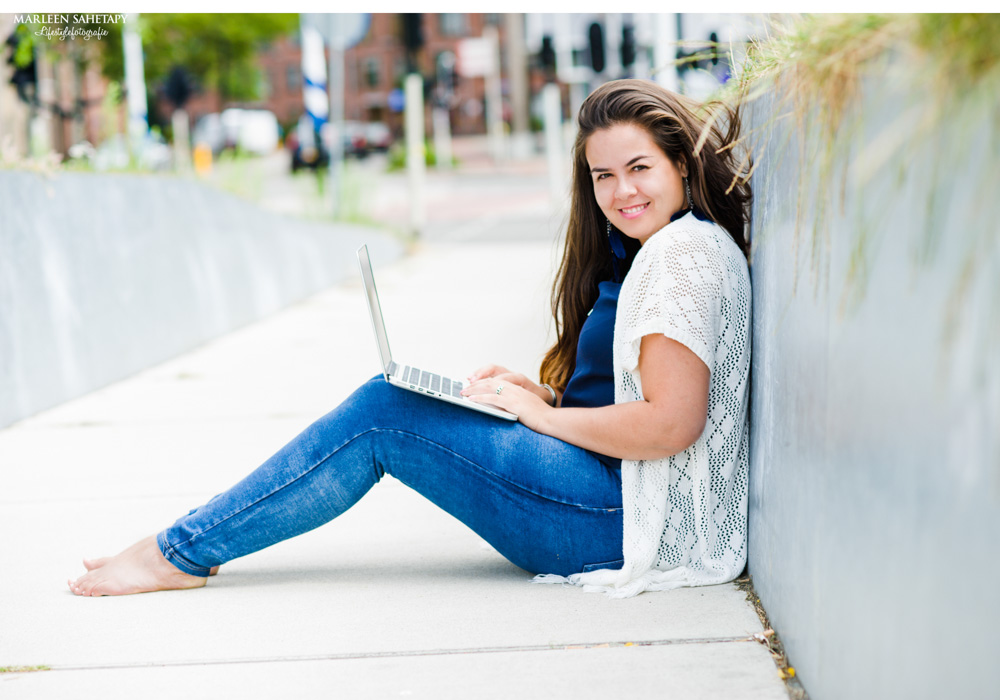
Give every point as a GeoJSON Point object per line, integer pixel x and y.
{"type": "Point", "coordinates": [638, 429]}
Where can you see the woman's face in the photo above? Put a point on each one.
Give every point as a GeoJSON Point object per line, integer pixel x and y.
{"type": "Point", "coordinates": [636, 185]}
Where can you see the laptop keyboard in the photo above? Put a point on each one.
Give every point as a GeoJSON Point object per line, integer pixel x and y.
{"type": "Point", "coordinates": [427, 380]}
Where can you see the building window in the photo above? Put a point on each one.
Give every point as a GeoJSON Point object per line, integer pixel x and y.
{"type": "Point", "coordinates": [293, 78]}
{"type": "Point", "coordinates": [399, 71]}
{"type": "Point", "coordinates": [371, 71]}
{"type": "Point", "coordinates": [453, 24]}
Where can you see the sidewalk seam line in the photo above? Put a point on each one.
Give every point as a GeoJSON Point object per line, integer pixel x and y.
{"type": "Point", "coordinates": [348, 656]}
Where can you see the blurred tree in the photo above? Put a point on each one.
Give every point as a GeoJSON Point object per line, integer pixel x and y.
{"type": "Point", "coordinates": [216, 50]}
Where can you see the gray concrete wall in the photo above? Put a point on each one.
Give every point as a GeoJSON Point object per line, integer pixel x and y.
{"type": "Point", "coordinates": [104, 275]}
{"type": "Point", "coordinates": [875, 457]}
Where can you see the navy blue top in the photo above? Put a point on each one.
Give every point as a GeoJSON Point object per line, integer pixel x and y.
{"type": "Point", "coordinates": [593, 380]}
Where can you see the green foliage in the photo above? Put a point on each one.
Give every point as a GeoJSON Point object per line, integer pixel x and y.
{"type": "Point", "coordinates": [218, 50]}
{"type": "Point", "coordinates": [965, 45]}
{"type": "Point", "coordinates": [23, 669]}
{"type": "Point", "coordinates": [943, 71]}
{"type": "Point", "coordinates": [815, 65]}
{"type": "Point", "coordinates": [821, 59]}
{"type": "Point", "coordinates": [26, 46]}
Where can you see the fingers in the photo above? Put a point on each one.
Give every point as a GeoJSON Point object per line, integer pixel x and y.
{"type": "Point", "coordinates": [511, 378]}
{"type": "Point", "coordinates": [487, 371]}
{"type": "Point", "coordinates": [484, 387]}
{"type": "Point", "coordinates": [480, 386]}
{"type": "Point", "coordinates": [495, 392]}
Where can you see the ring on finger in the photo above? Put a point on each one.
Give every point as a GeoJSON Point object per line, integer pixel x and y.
{"type": "Point", "coordinates": [500, 389]}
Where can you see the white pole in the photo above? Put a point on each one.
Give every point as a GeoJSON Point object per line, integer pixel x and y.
{"type": "Point", "coordinates": [416, 166]}
{"type": "Point", "coordinates": [314, 89]}
{"type": "Point", "coordinates": [335, 87]}
{"type": "Point", "coordinates": [612, 45]}
{"type": "Point", "coordinates": [644, 36]}
{"type": "Point", "coordinates": [442, 137]}
{"type": "Point", "coordinates": [494, 96]}
{"type": "Point", "coordinates": [40, 120]}
{"type": "Point", "coordinates": [135, 84]}
{"type": "Point", "coordinates": [552, 106]}
{"type": "Point", "coordinates": [665, 51]}
{"type": "Point", "coordinates": [563, 44]}
{"type": "Point", "coordinates": [517, 77]}
{"type": "Point", "coordinates": [182, 140]}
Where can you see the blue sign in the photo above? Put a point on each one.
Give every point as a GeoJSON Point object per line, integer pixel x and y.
{"type": "Point", "coordinates": [397, 100]}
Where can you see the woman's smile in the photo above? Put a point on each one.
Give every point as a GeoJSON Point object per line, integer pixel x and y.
{"type": "Point", "coordinates": [633, 212]}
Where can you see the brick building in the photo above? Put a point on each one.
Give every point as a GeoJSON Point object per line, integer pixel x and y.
{"type": "Point", "coordinates": [377, 66]}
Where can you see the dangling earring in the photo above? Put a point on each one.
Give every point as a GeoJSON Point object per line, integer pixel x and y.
{"type": "Point", "coordinates": [617, 249]}
{"type": "Point", "coordinates": [687, 188]}
{"type": "Point", "coordinates": [615, 241]}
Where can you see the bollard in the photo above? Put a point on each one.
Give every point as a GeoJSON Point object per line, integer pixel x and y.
{"type": "Point", "coordinates": [552, 106]}
{"type": "Point", "coordinates": [416, 165]}
{"type": "Point", "coordinates": [442, 138]}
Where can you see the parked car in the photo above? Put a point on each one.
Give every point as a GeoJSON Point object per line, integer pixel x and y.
{"type": "Point", "coordinates": [310, 152]}
{"type": "Point", "coordinates": [378, 137]}
{"type": "Point", "coordinates": [209, 131]}
{"type": "Point", "coordinates": [355, 139]}
{"type": "Point", "coordinates": [252, 130]}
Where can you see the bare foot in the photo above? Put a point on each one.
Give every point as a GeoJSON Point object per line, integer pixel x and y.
{"type": "Point", "coordinates": [139, 569]}
{"type": "Point", "coordinates": [91, 564]}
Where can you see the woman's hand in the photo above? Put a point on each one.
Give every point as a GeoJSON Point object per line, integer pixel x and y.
{"type": "Point", "coordinates": [669, 418]}
{"type": "Point", "coordinates": [504, 391]}
{"type": "Point", "coordinates": [507, 377]}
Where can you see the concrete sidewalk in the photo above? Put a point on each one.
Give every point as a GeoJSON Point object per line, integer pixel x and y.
{"type": "Point", "coordinates": [394, 599]}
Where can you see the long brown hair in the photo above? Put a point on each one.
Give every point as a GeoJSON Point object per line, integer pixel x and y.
{"type": "Point", "coordinates": [718, 188]}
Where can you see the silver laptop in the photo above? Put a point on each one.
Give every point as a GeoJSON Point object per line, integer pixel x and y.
{"type": "Point", "coordinates": [407, 377]}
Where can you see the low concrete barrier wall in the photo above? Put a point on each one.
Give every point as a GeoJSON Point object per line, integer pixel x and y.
{"type": "Point", "coordinates": [105, 275]}
{"type": "Point", "coordinates": [875, 441]}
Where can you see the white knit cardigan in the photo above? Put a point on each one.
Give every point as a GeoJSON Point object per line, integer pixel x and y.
{"type": "Point", "coordinates": [684, 515]}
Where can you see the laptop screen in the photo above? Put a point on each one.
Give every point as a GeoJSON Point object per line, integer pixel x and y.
{"type": "Point", "coordinates": [375, 309]}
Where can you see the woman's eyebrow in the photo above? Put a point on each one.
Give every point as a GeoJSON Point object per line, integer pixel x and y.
{"type": "Point", "coordinates": [605, 170]}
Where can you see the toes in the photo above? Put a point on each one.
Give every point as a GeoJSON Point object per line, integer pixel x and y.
{"type": "Point", "coordinates": [76, 587]}
{"type": "Point", "coordinates": [84, 586]}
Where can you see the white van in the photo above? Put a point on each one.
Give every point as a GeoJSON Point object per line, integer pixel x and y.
{"type": "Point", "coordinates": [252, 130]}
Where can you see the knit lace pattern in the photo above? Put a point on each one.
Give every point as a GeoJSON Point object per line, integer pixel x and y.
{"type": "Point", "coordinates": [685, 516]}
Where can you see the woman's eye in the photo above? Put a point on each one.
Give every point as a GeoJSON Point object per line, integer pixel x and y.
{"type": "Point", "coordinates": [640, 167]}
{"type": "Point", "coordinates": [603, 175]}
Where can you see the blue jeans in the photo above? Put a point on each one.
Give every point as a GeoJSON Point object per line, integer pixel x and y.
{"type": "Point", "coordinates": [547, 506]}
